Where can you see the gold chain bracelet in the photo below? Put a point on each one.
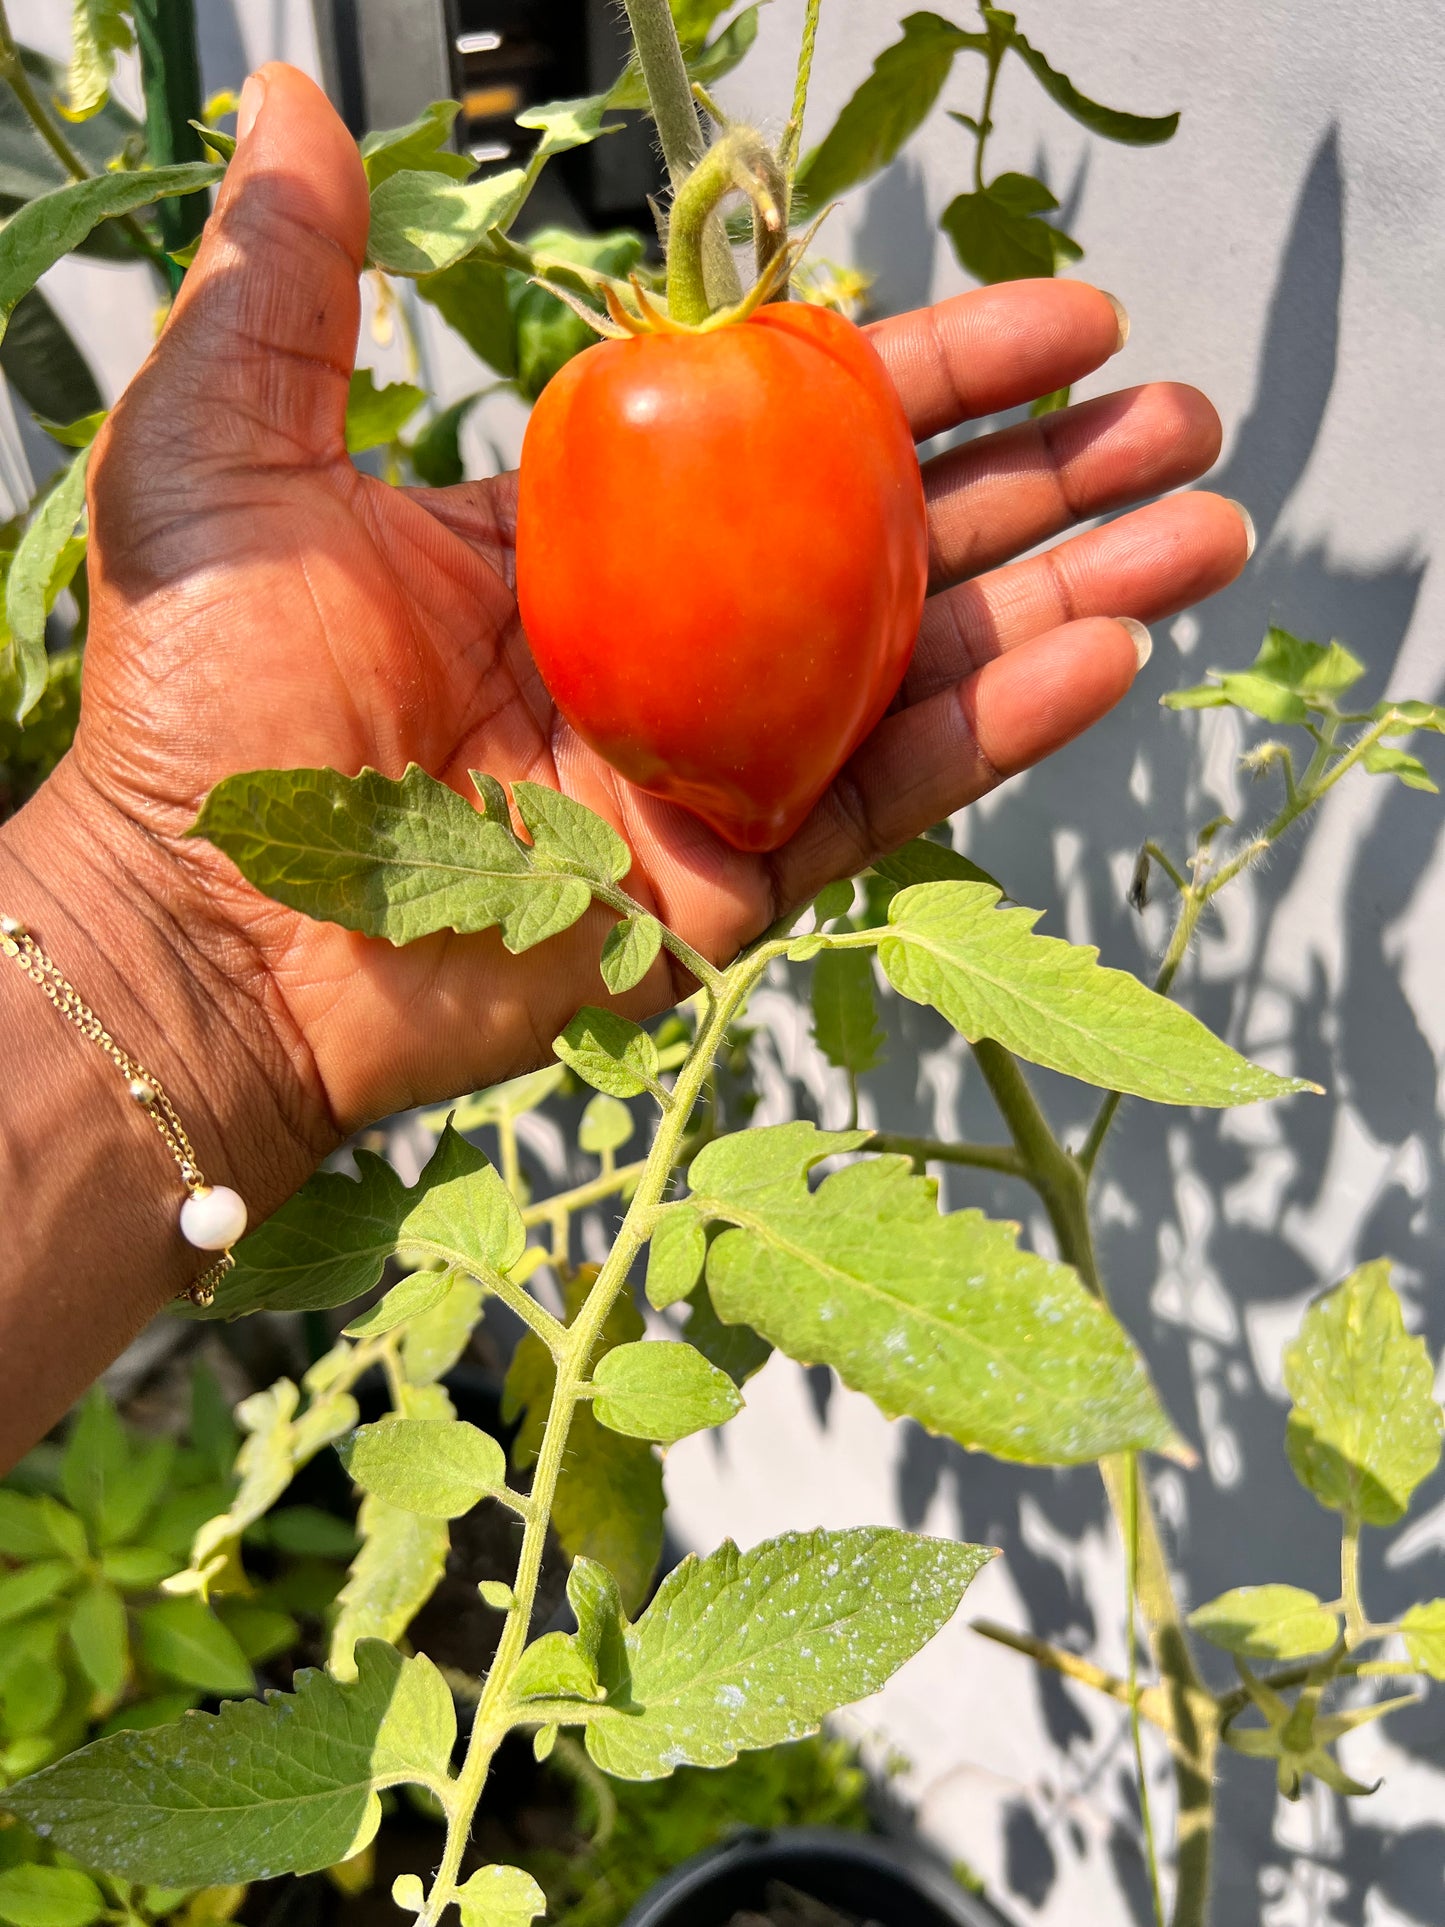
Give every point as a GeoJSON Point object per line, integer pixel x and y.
{"type": "Point", "coordinates": [213, 1216]}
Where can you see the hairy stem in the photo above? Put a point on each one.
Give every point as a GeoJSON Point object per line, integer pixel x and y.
{"type": "Point", "coordinates": [793, 134]}
{"type": "Point", "coordinates": [1131, 1594]}
{"type": "Point", "coordinates": [496, 1711]}
{"type": "Point", "coordinates": [1055, 1172]}
{"type": "Point", "coordinates": [669, 93]}
{"type": "Point", "coordinates": [1357, 1625]}
{"type": "Point", "coordinates": [740, 162]}
{"type": "Point", "coordinates": [1003, 1158]}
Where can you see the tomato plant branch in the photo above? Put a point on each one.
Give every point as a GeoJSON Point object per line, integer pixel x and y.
{"type": "Point", "coordinates": [1057, 1659]}
{"type": "Point", "coordinates": [1131, 1597]}
{"type": "Point", "coordinates": [498, 1710]}
{"type": "Point", "coordinates": [1055, 1173]}
{"type": "Point", "coordinates": [1003, 1158]}
{"type": "Point", "coordinates": [741, 162]}
{"type": "Point", "coordinates": [793, 133]}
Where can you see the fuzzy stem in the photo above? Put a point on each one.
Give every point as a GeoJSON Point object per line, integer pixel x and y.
{"type": "Point", "coordinates": [1003, 1158]}
{"type": "Point", "coordinates": [497, 1712]}
{"type": "Point", "coordinates": [669, 93]}
{"type": "Point", "coordinates": [793, 134]}
{"type": "Point", "coordinates": [740, 162]}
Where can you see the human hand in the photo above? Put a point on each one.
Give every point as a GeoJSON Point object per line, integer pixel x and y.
{"type": "Point", "coordinates": [257, 603]}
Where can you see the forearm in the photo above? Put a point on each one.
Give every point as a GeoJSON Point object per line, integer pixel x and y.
{"type": "Point", "coordinates": [89, 1194]}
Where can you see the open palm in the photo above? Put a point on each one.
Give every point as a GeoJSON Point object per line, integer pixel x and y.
{"type": "Point", "coordinates": [258, 603]}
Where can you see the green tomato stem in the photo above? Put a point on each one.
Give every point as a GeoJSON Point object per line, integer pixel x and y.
{"type": "Point", "coordinates": [740, 162]}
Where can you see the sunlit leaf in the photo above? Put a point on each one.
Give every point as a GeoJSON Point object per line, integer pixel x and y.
{"type": "Point", "coordinates": [378, 415]}
{"type": "Point", "coordinates": [1424, 1629]}
{"type": "Point", "coordinates": [423, 144]}
{"type": "Point", "coordinates": [99, 30]}
{"type": "Point", "coordinates": [422, 222]}
{"type": "Point", "coordinates": [609, 1052]}
{"type": "Point", "coordinates": [1268, 1622]}
{"type": "Point", "coordinates": [1135, 130]}
{"type": "Point", "coordinates": [661, 1391]}
{"type": "Point", "coordinates": [629, 951]}
{"type": "Point", "coordinates": [34, 580]}
{"type": "Point", "coordinates": [401, 1562]}
{"type": "Point", "coordinates": [440, 1468]}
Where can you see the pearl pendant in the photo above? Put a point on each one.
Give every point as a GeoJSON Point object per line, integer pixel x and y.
{"type": "Point", "coordinates": [213, 1218]}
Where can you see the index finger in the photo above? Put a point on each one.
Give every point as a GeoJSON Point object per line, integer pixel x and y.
{"type": "Point", "coordinates": [996, 348]}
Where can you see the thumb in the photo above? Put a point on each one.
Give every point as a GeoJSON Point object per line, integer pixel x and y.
{"type": "Point", "coordinates": [259, 348]}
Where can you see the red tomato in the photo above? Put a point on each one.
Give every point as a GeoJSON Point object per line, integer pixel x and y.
{"type": "Point", "coordinates": [721, 559]}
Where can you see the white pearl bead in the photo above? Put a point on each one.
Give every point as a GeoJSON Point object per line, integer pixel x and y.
{"type": "Point", "coordinates": [213, 1219]}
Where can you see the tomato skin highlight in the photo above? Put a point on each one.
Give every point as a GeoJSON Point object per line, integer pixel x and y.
{"type": "Point", "coordinates": [722, 555]}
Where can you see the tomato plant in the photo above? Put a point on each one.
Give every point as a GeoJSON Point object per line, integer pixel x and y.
{"type": "Point", "coordinates": [722, 557]}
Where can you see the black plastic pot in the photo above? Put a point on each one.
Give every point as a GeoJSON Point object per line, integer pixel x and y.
{"type": "Point", "coordinates": [896, 1884]}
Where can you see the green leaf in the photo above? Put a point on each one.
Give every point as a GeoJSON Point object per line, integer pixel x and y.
{"type": "Point", "coordinates": [440, 1468]}
{"type": "Point", "coordinates": [101, 1640]}
{"type": "Point", "coordinates": [261, 1632]}
{"type": "Point", "coordinates": [1135, 130]}
{"type": "Point", "coordinates": [663, 1391]}
{"type": "Point", "coordinates": [1286, 676]}
{"type": "Point", "coordinates": [1424, 1629]}
{"type": "Point", "coordinates": [377, 415]}
{"type": "Point", "coordinates": [1268, 1622]}
{"type": "Point", "coordinates": [436, 454]}
{"type": "Point", "coordinates": [609, 1052]}
{"type": "Point", "coordinates": [394, 859]}
{"type": "Point", "coordinates": [500, 1897]}
{"type": "Point", "coordinates": [28, 168]}
{"type": "Point", "coordinates": [596, 1603]}
{"type": "Point", "coordinates": [418, 1293]}
{"type": "Point", "coordinates": [423, 143]}
{"type": "Point", "coordinates": [436, 1339]}
{"type": "Point", "coordinates": [515, 1098]}
{"type": "Point", "coordinates": [735, 1349]}
{"type": "Point", "coordinates": [422, 222]}
{"type": "Point", "coordinates": [629, 951]}
{"type": "Point", "coordinates": [307, 1529]}
{"type": "Point", "coordinates": [675, 1257]}
{"type": "Point", "coordinates": [942, 1319]}
{"type": "Point", "coordinates": [744, 1650]}
{"type": "Point", "coordinates": [330, 1243]}
{"type": "Point", "coordinates": [1364, 1430]}
{"type": "Point", "coordinates": [1054, 1004]}
{"type": "Point", "coordinates": [137, 1568]}
{"type": "Point", "coordinates": [400, 1564]}
{"type": "Point", "coordinates": [47, 229]}
{"type": "Point", "coordinates": [27, 1587]}
{"type": "Point", "coordinates": [892, 103]}
{"type": "Point", "coordinates": [36, 1896]}
{"type": "Point", "coordinates": [158, 1710]}
{"type": "Point", "coordinates": [47, 369]}
{"type": "Point", "coordinates": [1380, 760]}
{"type": "Point", "coordinates": [609, 1504]}
{"type": "Point", "coordinates": [1262, 696]}
{"type": "Point", "coordinates": [35, 1526]}
{"type": "Point", "coordinates": [36, 576]}
{"type": "Point", "coordinates": [1406, 716]}
{"type": "Point", "coordinates": [570, 837]}
{"type": "Point", "coordinates": [95, 1455]}
{"type": "Point", "coordinates": [554, 1667]}
{"type": "Point", "coordinates": [284, 1785]}
{"type": "Point", "coordinates": [924, 861]}
{"type": "Point", "coordinates": [547, 332]}
{"type": "Point", "coordinates": [606, 1125]}
{"type": "Point", "coordinates": [565, 124]}
{"type": "Point", "coordinates": [183, 1640]}
{"type": "Point", "coordinates": [474, 297]}
{"type": "Point", "coordinates": [845, 1011]}
{"type": "Point", "coordinates": [33, 1693]}
{"type": "Point", "coordinates": [997, 235]}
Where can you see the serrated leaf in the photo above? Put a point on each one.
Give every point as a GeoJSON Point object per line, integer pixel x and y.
{"type": "Point", "coordinates": [393, 859]}
{"type": "Point", "coordinates": [100, 1638]}
{"type": "Point", "coordinates": [1134, 130]}
{"type": "Point", "coordinates": [375, 415]}
{"type": "Point", "coordinates": [1364, 1429]}
{"type": "Point", "coordinates": [1424, 1629]}
{"type": "Point", "coordinates": [401, 1562]}
{"type": "Point", "coordinates": [1310, 668]}
{"type": "Point", "coordinates": [440, 1468]}
{"type": "Point", "coordinates": [421, 222]}
{"type": "Point", "coordinates": [36, 1896]}
{"type": "Point", "coordinates": [330, 1243]}
{"type": "Point", "coordinates": [1055, 1004]}
{"type": "Point", "coordinates": [744, 1650]}
{"type": "Point", "coordinates": [675, 1257]}
{"type": "Point", "coordinates": [609, 1504]}
{"type": "Point", "coordinates": [423, 144]}
{"type": "Point", "coordinates": [845, 1011]}
{"type": "Point", "coordinates": [500, 1897]}
{"type": "Point", "coordinates": [569, 836]}
{"type": "Point", "coordinates": [1268, 1622]}
{"type": "Point", "coordinates": [892, 103]}
{"type": "Point", "coordinates": [413, 1295]}
{"type": "Point", "coordinates": [474, 298]}
{"type": "Point", "coordinates": [1406, 716]}
{"type": "Point", "coordinates": [596, 1604]}
{"type": "Point", "coordinates": [183, 1640]}
{"type": "Point", "coordinates": [998, 236]}
{"type": "Point", "coordinates": [629, 950]}
{"type": "Point", "coordinates": [34, 572]}
{"type": "Point", "coordinates": [565, 124]}
{"type": "Point", "coordinates": [1381, 760]}
{"type": "Point", "coordinates": [942, 1319]}
{"type": "Point", "coordinates": [1264, 697]}
{"type": "Point", "coordinates": [45, 230]}
{"type": "Point", "coordinates": [609, 1052]}
{"type": "Point", "coordinates": [606, 1125]}
{"type": "Point", "coordinates": [924, 861]}
{"type": "Point", "coordinates": [661, 1390]}
{"type": "Point", "coordinates": [263, 1788]}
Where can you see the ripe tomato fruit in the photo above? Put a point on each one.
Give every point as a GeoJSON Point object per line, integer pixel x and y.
{"type": "Point", "coordinates": [722, 559]}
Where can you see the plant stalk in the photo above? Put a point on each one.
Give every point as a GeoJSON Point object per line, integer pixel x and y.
{"type": "Point", "coordinates": [669, 92]}
{"type": "Point", "coordinates": [171, 81]}
{"type": "Point", "coordinates": [793, 134]}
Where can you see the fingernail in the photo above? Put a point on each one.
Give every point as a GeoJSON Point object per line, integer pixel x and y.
{"type": "Point", "coordinates": [1140, 637]}
{"type": "Point", "coordinates": [252, 95]}
{"type": "Point", "coordinates": [1251, 539]}
{"type": "Point", "coordinates": [1121, 315]}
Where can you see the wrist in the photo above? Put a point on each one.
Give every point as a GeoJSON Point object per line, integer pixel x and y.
{"type": "Point", "coordinates": [180, 989]}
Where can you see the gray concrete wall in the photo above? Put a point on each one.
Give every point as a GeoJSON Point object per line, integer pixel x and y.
{"type": "Point", "coordinates": [1287, 253]}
